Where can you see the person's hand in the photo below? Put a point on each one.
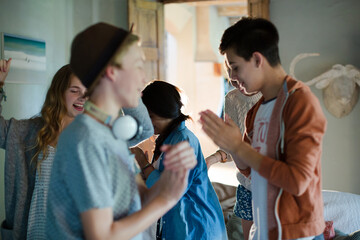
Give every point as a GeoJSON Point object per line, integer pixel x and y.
{"type": "Point", "coordinates": [4, 69]}
{"type": "Point", "coordinates": [226, 134]}
{"type": "Point", "coordinates": [141, 157]}
{"type": "Point", "coordinates": [179, 156]}
{"type": "Point", "coordinates": [173, 184]}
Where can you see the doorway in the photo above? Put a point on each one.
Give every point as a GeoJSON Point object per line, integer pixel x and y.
{"type": "Point", "coordinates": [193, 63]}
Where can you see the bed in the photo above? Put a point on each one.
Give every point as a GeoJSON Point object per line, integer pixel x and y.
{"type": "Point", "coordinates": [341, 212]}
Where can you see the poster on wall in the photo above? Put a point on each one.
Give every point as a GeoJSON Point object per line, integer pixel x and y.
{"type": "Point", "coordinates": [28, 55]}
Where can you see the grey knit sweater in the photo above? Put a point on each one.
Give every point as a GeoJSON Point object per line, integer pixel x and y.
{"type": "Point", "coordinates": [236, 106]}
{"type": "Point", "coordinates": [18, 138]}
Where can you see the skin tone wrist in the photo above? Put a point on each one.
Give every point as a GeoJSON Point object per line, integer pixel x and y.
{"type": "Point", "coordinates": [142, 163]}
{"type": "Point", "coordinates": [165, 201]}
{"type": "Point", "coordinates": [147, 171]}
{"type": "Point", "coordinates": [246, 157]}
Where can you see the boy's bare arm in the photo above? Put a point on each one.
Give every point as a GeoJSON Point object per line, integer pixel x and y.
{"type": "Point", "coordinates": [99, 224]}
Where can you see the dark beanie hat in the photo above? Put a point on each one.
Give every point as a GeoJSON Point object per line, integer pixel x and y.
{"type": "Point", "coordinates": [92, 49]}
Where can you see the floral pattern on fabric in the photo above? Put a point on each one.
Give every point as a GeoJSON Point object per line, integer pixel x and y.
{"type": "Point", "coordinates": [243, 205]}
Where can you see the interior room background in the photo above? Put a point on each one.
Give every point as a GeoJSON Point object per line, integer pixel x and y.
{"type": "Point", "coordinates": [329, 27]}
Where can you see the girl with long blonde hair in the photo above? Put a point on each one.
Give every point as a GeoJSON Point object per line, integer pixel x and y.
{"type": "Point", "coordinates": [30, 146]}
{"type": "Point", "coordinates": [54, 112]}
{"type": "Point", "coordinates": [64, 101]}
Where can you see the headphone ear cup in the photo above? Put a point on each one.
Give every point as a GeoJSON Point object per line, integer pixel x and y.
{"type": "Point", "coordinates": [125, 127]}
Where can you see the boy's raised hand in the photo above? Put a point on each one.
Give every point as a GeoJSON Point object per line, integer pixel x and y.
{"type": "Point", "coordinates": [226, 134]}
{"type": "Point", "coordinates": [179, 156]}
{"type": "Point", "coordinates": [179, 159]}
{"type": "Point", "coordinates": [173, 184]}
{"type": "Point", "coordinates": [4, 69]}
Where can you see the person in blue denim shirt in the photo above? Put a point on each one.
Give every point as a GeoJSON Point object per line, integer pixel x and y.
{"type": "Point", "coordinates": [198, 213]}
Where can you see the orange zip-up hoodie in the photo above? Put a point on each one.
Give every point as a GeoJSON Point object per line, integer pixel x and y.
{"type": "Point", "coordinates": [293, 167]}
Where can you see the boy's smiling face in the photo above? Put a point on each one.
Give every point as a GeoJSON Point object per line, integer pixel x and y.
{"type": "Point", "coordinates": [242, 74]}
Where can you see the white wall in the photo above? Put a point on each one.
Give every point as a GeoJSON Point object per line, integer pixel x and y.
{"type": "Point", "coordinates": [56, 22]}
{"type": "Point", "coordinates": [331, 28]}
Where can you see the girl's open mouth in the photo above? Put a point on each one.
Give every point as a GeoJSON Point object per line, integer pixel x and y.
{"type": "Point", "coordinates": [79, 107]}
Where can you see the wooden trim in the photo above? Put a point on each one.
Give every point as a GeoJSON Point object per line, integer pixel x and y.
{"type": "Point", "coordinates": [232, 10]}
{"type": "Point", "coordinates": [161, 42]}
{"type": "Point", "coordinates": [151, 54]}
{"type": "Point", "coordinates": [146, 5]}
{"type": "Point", "coordinates": [211, 2]}
{"type": "Point", "coordinates": [259, 8]}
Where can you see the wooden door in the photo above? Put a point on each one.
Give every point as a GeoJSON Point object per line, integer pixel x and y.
{"type": "Point", "coordinates": [259, 8]}
{"type": "Point", "coordinates": [148, 20]}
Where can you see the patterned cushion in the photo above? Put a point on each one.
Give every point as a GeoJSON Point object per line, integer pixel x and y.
{"type": "Point", "coordinates": [342, 236]}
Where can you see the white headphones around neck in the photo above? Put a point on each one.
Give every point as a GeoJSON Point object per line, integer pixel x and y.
{"type": "Point", "coordinates": [124, 127]}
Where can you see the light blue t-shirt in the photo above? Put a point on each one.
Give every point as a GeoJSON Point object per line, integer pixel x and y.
{"type": "Point", "coordinates": [91, 170]}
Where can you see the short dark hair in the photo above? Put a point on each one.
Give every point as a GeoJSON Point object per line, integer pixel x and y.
{"type": "Point", "coordinates": [249, 35]}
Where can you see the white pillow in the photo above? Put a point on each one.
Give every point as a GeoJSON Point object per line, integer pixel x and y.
{"type": "Point", "coordinates": [343, 209]}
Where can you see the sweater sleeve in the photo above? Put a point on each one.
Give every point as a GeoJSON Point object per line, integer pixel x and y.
{"type": "Point", "coordinates": [231, 110]}
{"type": "Point", "coordinates": [141, 114]}
{"type": "Point", "coordinates": [231, 107]}
{"type": "Point", "coordinates": [305, 126]}
{"type": "Point", "coordinates": [4, 124]}
{"type": "Point", "coordinates": [237, 106]}
{"type": "Point", "coordinates": [153, 178]}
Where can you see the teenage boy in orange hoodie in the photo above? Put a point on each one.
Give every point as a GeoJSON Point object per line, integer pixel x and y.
{"type": "Point", "coordinates": [282, 143]}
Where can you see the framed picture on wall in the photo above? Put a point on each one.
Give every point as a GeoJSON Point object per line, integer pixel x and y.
{"type": "Point", "coordinates": [28, 55]}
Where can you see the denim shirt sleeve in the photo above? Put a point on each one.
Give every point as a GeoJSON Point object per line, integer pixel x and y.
{"type": "Point", "coordinates": [155, 175]}
{"type": "Point", "coordinates": [153, 178]}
